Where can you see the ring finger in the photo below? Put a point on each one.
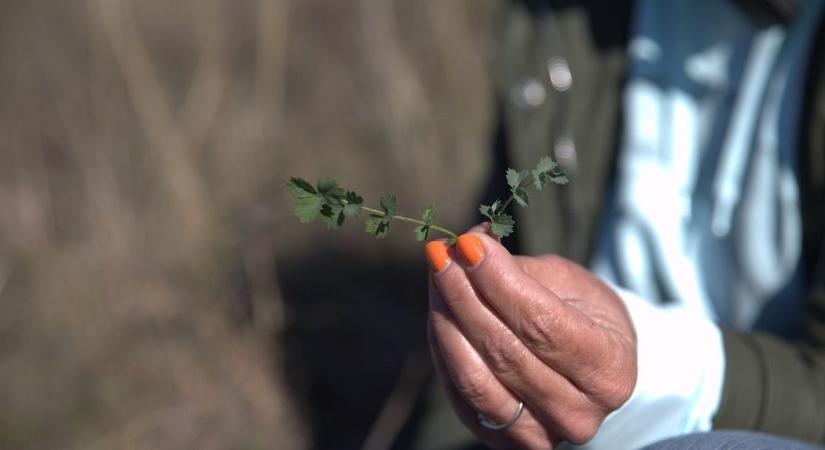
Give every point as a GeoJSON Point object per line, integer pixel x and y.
{"type": "Point", "coordinates": [473, 388]}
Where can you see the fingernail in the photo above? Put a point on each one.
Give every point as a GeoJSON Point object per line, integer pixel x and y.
{"type": "Point", "coordinates": [437, 255]}
{"type": "Point", "coordinates": [470, 248]}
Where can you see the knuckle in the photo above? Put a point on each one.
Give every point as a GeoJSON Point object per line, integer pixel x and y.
{"type": "Point", "coordinates": [619, 392]}
{"type": "Point", "coordinates": [580, 428]}
{"type": "Point", "coordinates": [615, 383]}
{"type": "Point", "coordinates": [503, 355]}
{"type": "Point", "coordinates": [473, 385]}
{"type": "Point", "coordinates": [537, 330]}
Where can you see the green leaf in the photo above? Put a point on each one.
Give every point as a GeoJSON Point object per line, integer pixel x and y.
{"type": "Point", "coordinates": [521, 197]}
{"type": "Point", "coordinates": [514, 178]}
{"type": "Point", "coordinates": [559, 179]}
{"type": "Point", "coordinates": [429, 215]}
{"type": "Point", "coordinates": [352, 210]}
{"type": "Point", "coordinates": [354, 204]}
{"type": "Point", "coordinates": [547, 171]}
{"type": "Point", "coordinates": [502, 225]}
{"type": "Point", "coordinates": [326, 185]}
{"type": "Point", "coordinates": [390, 205]}
{"type": "Point", "coordinates": [377, 226]}
{"type": "Point", "coordinates": [421, 232]}
{"type": "Point", "coordinates": [306, 201]}
{"type": "Point", "coordinates": [546, 164]}
{"type": "Point", "coordinates": [332, 215]}
{"type": "Point", "coordinates": [486, 210]}
{"type": "Point", "coordinates": [300, 188]}
{"type": "Point", "coordinates": [307, 208]}
{"type": "Point", "coordinates": [329, 189]}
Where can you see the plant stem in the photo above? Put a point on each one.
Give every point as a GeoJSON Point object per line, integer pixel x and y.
{"type": "Point", "coordinates": [512, 196]}
{"type": "Point", "coordinates": [507, 203]}
{"type": "Point", "coordinates": [411, 220]}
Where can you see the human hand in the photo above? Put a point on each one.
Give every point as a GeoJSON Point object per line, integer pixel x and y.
{"type": "Point", "coordinates": [541, 330]}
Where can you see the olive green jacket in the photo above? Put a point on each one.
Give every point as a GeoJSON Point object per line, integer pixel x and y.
{"type": "Point", "coordinates": [771, 384]}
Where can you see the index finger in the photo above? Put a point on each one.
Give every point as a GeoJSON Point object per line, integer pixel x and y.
{"type": "Point", "coordinates": [555, 331]}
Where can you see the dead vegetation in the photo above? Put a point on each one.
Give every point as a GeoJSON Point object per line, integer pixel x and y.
{"type": "Point", "coordinates": [156, 291]}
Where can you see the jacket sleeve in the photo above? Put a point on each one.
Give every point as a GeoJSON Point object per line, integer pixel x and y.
{"type": "Point", "coordinates": [774, 386]}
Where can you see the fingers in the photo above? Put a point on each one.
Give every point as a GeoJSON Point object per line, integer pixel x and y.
{"type": "Point", "coordinates": [547, 393]}
{"type": "Point", "coordinates": [486, 228]}
{"type": "Point", "coordinates": [556, 332]}
{"type": "Point", "coordinates": [466, 368]}
{"type": "Point", "coordinates": [473, 388]}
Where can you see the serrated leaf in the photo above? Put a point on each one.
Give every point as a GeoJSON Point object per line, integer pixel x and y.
{"type": "Point", "coordinates": [514, 178]}
{"type": "Point", "coordinates": [495, 207]}
{"type": "Point", "coordinates": [546, 164]}
{"type": "Point", "coordinates": [429, 215]}
{"type": "Point", "coordinates": [377, 226]}
{"type": "Point", "coordinates": [502, 225]}
{"type": "Point", "coordinates": [300, 188]}
{"type": "Point", "coordinates": [390, 205]}
{"type": "Point", "coordinates": [327, 184]}
{"type": "Point", "coordinates": [307, 208]}
{"type": "Point", "coordinates": [559, 179]}
{"type": "Point", "coordinates": [486, 210]}
{"type": "Point", "coordinates": [354, 204]}
{"type": "Point", "coordinates": [332, 193]}
{"type": "Point", "coordinates": [332, 216]}
{"type": "Point", "coordinates": [521, 196]}
{"type": "Point", "coordinates": [354, 198]}
{"type": "Point", "coordinates": [545, 172]}
{"type": "Point", "coordinates": [352, 210]}
{"type": "Point", "coordinates": [421, 232]}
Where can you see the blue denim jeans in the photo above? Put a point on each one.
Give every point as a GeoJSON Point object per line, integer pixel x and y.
{"type": "Point", "coordinates": [731, 440]}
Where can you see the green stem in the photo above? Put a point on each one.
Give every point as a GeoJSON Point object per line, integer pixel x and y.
{"type": "Point", "coordinates": [512, 196]}
{"type": "Point", "coordinates": [507, 203]}
{"type": "Point", "coordinates": [411, 220]}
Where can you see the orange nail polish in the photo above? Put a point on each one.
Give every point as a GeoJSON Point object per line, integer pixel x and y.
{"type": "Point", "coordinates": [470, 248]}
{"type": "Point", "coordinates": [437, 255]}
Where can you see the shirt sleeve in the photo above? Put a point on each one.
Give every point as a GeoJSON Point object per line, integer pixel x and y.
{"type": "Point", "coordinates": [681, 364]}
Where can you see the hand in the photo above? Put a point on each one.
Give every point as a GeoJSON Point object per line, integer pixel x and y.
{"type": "Point", "coordinates": [541, 330]}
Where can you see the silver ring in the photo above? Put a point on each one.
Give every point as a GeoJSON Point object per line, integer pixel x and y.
{"type": "Point", "coordinates": [485, 421]}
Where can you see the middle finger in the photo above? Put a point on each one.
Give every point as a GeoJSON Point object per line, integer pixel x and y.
{"type": "Point", "coordinates": [547, 392]}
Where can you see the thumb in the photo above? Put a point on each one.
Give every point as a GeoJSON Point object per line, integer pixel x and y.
{"type": "Point", "coordinates": [486, 228]}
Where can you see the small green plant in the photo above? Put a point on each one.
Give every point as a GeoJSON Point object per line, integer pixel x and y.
{"type": "Point", "coordinates": [333, 204]}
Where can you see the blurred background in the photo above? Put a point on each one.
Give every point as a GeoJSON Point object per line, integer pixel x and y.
{"type": "Point", "coordinates": [156, 290]}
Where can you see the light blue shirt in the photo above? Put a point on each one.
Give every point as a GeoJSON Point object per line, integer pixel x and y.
{"type": "Point", "coordinates": [705, 213]}
{"type": "Point", "coordinates": [704, 220]}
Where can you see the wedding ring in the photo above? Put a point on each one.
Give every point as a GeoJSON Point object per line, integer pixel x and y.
{"type": "Point", "coordinates": [485, 421]}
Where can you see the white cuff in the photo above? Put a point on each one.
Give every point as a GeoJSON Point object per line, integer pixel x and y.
{"type": "Point", "coordinates": [681, 366]}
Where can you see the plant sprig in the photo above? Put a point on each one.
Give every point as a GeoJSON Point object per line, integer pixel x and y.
{"type": "Point", "coordinates": [332, 204]}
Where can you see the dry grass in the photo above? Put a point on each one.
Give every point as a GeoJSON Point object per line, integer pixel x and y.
{"type": "Point", "coordinates": [145, 144]}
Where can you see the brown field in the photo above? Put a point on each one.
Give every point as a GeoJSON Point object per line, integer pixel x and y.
{"type": "Point", "coordinates": [156, 291]}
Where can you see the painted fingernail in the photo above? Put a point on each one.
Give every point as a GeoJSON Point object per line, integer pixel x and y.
{"type": "Point", "coordinates": [437, 255]}
{"type": "Point", "coordinates": [470, 248]}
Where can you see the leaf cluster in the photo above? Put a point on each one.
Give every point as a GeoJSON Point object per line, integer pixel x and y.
{"type": "Point", "coordinates": [332, 204]}
{"type": "Point", "coordinates": [325, 201]}
{"type": "Point", "coordinates": [546, 171]}
{"type": "Point", "coordinates": [378, 225]}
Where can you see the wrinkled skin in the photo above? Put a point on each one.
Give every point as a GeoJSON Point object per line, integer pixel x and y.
{"type": "Point", "coordinates": [539, 329]}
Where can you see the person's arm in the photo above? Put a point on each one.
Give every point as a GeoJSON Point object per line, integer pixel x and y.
{"type": "Point", "coordinates": [774, 385]}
